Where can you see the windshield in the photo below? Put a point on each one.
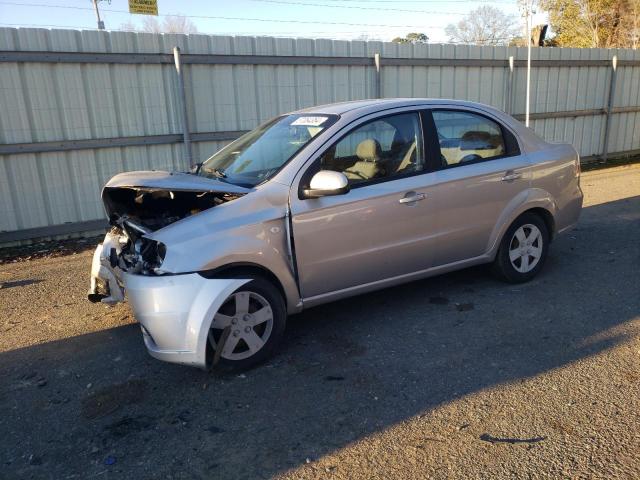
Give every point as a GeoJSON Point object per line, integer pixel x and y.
{"type": "Point", "coordinates": [258, 155]}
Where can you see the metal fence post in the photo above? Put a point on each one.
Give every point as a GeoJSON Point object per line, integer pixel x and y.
{"type": "Point", "coordinates": [609, 108]}
{"type": "Point", "coordinates": [509, 99]}
{"type": "Point", "coordinates": [376, 59]}
{"type": "Point", "coordinates": [186, 136]}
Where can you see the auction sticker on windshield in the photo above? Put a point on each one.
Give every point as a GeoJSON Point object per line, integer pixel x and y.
{"type": "Point", "coordinates": [309, 121]}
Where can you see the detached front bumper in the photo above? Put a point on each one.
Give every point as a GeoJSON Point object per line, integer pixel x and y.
{"type": "Point", "coordinates": [176, 311]}
{"type": "Point", "coordinates": [106, 282]}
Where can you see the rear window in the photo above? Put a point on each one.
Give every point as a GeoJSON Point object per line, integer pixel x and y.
{"type": "Point", "coordinates": [466, 137]}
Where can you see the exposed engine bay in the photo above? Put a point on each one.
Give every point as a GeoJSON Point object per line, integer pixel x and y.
{"type": "Point", "coordinates": [135, 212]}
{"type": "Point", "coordinates": [154, 209]}
{"type": "Point", "coordinates": [138, 204]}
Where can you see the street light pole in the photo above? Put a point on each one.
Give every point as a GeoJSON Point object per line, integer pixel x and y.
{"type": "Point", "coordinates": [528, 8]}
{"type": "Point", "coordinates": [100, 22]}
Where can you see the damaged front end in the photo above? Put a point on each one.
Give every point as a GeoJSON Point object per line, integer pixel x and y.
{"type": "Point", "coordinates": [138, 204]}
{"type": "Point", "coordinates": [124, 249]}
{"type": "Point", "coordinates": [106, 282]}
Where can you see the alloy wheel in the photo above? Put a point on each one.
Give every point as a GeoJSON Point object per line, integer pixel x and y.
{"type": "Point", "coordinates": [250, 318]}
{"type": "Point", "coordinates": [525, 248]}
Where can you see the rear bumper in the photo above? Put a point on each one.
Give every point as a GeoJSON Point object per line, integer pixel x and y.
{"type": "Point", "coordinates": [176, 311]}
{"type": "Point", "coordinates": [569, 215]}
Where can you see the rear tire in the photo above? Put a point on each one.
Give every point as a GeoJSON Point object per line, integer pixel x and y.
{"type": "Point", "coordinates": [255, 317]}
{"type": "Point", "coordinates": [523, 249]}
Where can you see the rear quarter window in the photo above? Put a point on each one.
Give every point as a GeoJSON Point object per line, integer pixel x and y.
{"type": "Point", "coordinates": [466, 137]}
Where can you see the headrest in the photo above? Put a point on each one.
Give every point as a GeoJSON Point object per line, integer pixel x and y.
{"type": "Point", "coordinates": [369, 150]}
{"type": "Point", "coordinates": [475, 140]}
{"type": "Point", "coordinates": [496, 141]}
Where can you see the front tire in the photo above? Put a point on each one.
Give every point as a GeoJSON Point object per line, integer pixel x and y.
{"type": "Point", "coordinates": [523, 249]}
{"type": "Point", "coordinates": [249, 324]}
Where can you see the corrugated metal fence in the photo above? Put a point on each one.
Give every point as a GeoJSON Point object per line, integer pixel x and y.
{"type": "Point", "coordinates": [80, 106]}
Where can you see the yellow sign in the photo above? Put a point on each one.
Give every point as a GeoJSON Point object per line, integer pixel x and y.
{"type": "Point", "coordinates": [143, 7]}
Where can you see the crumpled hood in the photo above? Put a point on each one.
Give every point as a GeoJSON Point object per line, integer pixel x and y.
{"type": "Point", "coordinates": [154, 199]}
{"type": "Point", "coordinates": [175, 181]}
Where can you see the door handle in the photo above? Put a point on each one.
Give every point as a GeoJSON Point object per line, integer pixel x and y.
{"type": "Point", "coordinates": [412, 197]}
{"type": "Point", "coordinates": [510, 176]}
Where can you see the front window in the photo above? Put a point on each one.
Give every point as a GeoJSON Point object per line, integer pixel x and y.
{"type": "Point", "coordinates": [381, 149]}
{"type": "Point", "coordinates": [258, 155]}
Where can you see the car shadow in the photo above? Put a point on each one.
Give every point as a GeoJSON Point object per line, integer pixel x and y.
{"type": "Point", "coordinates": [19, 283]}
{"type": "Point", "coordinates": [97, 402]}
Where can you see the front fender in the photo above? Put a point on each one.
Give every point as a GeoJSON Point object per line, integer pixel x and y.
{"type": "Point", "coordinates": [256, 251]}
{"type": "Point", "coordinates": [263, 244]}
{"type": "Point", "coordinates": [525, 200]}
{"type": "Point", "coordinates": [248, 230]}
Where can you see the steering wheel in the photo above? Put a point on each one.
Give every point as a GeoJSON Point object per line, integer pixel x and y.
{"type": "Point", "coordinates": [470, 158]}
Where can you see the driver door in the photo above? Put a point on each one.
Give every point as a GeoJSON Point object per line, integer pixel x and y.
{"type": "Point", "coordinates": [384, 226]}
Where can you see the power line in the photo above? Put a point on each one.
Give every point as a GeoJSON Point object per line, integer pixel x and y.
{"type": "Point", "coordinates": [254, 33]}
{"type": "Point", "coordinates": [217, 17]}
{"type": "Point", "coordinates": [425, 1]}
{"type": "Point", "coordinates": [235, 32]}
{"type": "Point", "coordinates": [358, 7]}
{"type": "Point", "coordinates": [38, 25]}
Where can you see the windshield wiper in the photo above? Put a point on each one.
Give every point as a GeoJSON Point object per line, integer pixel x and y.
{"type": "Point", "coordinates": [196, 168]}
{"type": "Point", "coordinates": [218, 172]}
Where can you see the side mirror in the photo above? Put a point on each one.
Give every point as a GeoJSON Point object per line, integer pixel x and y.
{"type": "Point", "coordinates": [326, 183]}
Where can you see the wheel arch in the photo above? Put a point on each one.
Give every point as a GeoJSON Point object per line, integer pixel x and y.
{"type": "Point", "coordinates": [245, 269]}
{"type": "Point", "coordinates": [536, 201]}
{"type": "Point", "coordinates": [546, 216]}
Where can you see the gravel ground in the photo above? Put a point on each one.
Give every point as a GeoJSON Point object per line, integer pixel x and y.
{"type": "Point", "coordinates": [458, 376]}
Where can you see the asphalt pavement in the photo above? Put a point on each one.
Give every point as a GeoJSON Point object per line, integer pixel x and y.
{"type": "Point", "coordinates": [458, 376]}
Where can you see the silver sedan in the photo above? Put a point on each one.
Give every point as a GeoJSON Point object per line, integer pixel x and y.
{"type": "Point", "coordinates": [322, 204]}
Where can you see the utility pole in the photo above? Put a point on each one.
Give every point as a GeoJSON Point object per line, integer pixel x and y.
{"type": "Point", "coordinates": [529, 14]}
{"type": "Point", "coordinates": [186, 136]}
{"type": "Point", "coordinates": [95, 7]}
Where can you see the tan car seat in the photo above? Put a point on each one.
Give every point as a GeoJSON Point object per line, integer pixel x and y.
{"type": "Point", "coordinates": [409, 160]}
{"type": "Point", "coordinates": [368, 166]}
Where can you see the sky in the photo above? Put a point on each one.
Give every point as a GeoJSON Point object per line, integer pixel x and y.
{"type": "Point", "coordinates": [339, 19]}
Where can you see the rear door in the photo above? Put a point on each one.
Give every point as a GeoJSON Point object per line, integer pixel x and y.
{"type": "Point", "coordinates": [384, 226]}
{"type": "Point", "coordinates": [481, 173]}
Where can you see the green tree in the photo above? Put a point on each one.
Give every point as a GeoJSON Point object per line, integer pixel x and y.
{"type": "Point", "coordinates": [594, 23]}
{"type": "Point", "coordinates": [412, 38]}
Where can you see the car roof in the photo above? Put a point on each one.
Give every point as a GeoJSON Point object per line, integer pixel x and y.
{"type": "Point", "coordinates": [349, 111]}
{"type": "Point", "coordinates": [374, 104]}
